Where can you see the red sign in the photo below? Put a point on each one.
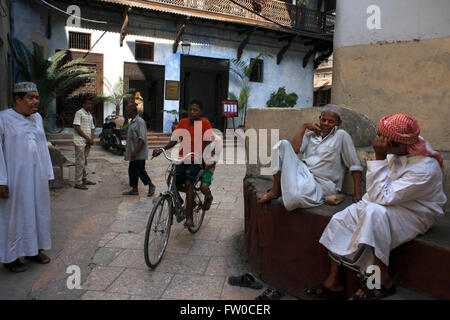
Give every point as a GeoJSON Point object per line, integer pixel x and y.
{"type": "Point", "coordinates": [230, 108]}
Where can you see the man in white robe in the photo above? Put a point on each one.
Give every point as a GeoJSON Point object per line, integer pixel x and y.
{"type": "Point", "coordinates": [327, 151]}
{"type": "Point", "coordinates": [25, 170]}
{"type": "Point", "coordinates": [404, 197]}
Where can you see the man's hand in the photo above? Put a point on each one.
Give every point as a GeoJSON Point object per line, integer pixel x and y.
{"type": "Point", "coordinates": [4, 192]}
{"type": "Point", "coordinates": [133, 156]}
{"type": "Point", "coordinates": [156, 152]}
{"type": "Point", "coordinates": [381, 146]}
{"type": "Point", "coordinates": [313, 127]}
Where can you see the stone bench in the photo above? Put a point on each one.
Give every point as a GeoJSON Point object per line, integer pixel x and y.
{"type": "Point", "coordinates": [283, 248]}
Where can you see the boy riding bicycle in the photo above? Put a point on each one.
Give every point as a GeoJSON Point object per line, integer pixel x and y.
{"type": "Point", "coordinates": [195, 134]}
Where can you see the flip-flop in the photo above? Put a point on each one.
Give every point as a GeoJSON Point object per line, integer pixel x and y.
{"type": "Point", "coordinates": [246, 280]}
{"type": "Point", "coordinates": [16, 266]}
{"type": "Point", "coordinates": [371, 294]}
{"type": "Point", "coordinates": [80, 186]}
{"type": "Point", "coordinates": [130, 193]}
{"type": "Point", "coordinates": [90, 183]}
{"type": "Point", "coordinates": [151, 192]}
{"type": "Point", "coordinates": [320, 291]}
{"type": "Point", "coordinates": [271, 294]}
{"type": "Point", "coordinates": [40, 258]}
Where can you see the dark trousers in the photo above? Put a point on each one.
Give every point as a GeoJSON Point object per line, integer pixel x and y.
{"type": "Point", "coordinates": [136, 170]}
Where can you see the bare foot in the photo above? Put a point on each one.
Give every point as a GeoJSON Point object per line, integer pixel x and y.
{"type": "Point", "coordinates": [268, 196]}
{"type": "Point", "coordinates": [188, 223]}
{"type": "Point", "coordinates": [207, 203]}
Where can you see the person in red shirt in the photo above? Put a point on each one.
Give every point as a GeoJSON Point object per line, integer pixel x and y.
{"type": "Point", "coordinates": [194, 133]}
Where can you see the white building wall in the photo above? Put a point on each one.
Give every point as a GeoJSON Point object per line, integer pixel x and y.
{"type": "Point", "coordinates": [401, 20]}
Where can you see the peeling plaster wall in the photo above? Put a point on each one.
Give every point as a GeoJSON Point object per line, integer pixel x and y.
{"type": "Point", "coordinates": [402, 67]}
{"type": "Point", "coordinates": [211, 42]}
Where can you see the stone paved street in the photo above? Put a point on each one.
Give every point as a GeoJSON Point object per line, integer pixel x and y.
{"type": "Point", "coordinates": [102, 232]}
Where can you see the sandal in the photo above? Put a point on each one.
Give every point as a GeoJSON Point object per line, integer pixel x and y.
{"type": "Point", "coordinates": [270, 294]}
{"type": "Point", "coordinates": [89, 183]}
{"type": "Point", "coordinates": [320, 291]}
{"type": "Point", "coordinates": [130, 193]}
{"type": "Point", "coordinates": [246, 280]}
{"type": "Point", "coordinates": [375, 294]}
{"type": "Point", "coordinates": [80, 186]}
{"type": "Point", "coordinates": [16, 266]}
{"type": "Point", "coordinates": [40, 258]}
{"type": "Point", "coordinates": [151, 191]}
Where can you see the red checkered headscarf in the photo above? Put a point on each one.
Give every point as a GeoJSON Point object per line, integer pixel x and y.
{"type": "Point", "coordinates": [403, 128]}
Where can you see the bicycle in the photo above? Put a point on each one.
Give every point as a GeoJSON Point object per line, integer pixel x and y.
{"type": "Point", "coordinates": [167, 205]}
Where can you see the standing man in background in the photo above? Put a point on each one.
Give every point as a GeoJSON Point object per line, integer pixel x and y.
{"type": "Point", "coordinates": [83, 139]}
{"type": "Point", "coordinates": [137, 152]}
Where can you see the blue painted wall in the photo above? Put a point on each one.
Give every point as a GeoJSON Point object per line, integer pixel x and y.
{"type": "Point", "coordinates": [30, 23]}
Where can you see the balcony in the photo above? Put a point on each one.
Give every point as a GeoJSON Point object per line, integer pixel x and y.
{"type": "Point", "coordinates": [285, 14]}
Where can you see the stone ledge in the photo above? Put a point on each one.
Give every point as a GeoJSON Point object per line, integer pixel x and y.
{"type": "Point", "coordinates": [283, 248]}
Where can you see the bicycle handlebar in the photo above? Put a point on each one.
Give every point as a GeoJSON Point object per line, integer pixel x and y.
{"type": "Point", "coordinates": [178, 160]}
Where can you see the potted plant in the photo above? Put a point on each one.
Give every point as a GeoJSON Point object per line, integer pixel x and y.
{"type": "Point", "coordinates": [281, 99]}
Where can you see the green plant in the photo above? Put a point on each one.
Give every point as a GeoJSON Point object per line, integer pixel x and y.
{"type": "Point", "coordinates": [116, 94]}
{"type": "Point", "coordinates": [54, 77]}
{"type": "Point", "coordinates": [242, 71]}
{"type": "Point", "coordinates": [281, 99]}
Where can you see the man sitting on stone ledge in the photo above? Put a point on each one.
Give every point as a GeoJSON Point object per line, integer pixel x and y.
{"type": "Point", "coordinates": [404, 197]}
{"type": "Point", "coordinates": [326, 151]}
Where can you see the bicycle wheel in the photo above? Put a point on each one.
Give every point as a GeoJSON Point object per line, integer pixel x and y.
{"type": "Point", "coordinates": [198, 213]}
{"type": "Point", "coordinates": [158, 231]}
{"type": "Point", "coordinates": [54, 123]}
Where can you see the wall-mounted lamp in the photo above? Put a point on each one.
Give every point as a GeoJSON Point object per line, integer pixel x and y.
{"type": "Point", "coordinates": [185, 47]}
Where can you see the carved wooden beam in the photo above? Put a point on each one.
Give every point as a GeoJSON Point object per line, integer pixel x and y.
{"type": "Point", "coordinates": [178, 37]}
{"type": "Point", "coordinates": [244, 43]}
{"type": "Point", "coordinates": [284, 49]}
{"type": "Point", "coordinates": [126, 10]}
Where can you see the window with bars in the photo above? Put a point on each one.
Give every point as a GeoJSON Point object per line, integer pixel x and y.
{"type": "Point", "coordinates": [144, 50]}
{"type": "Point", "coordinates": [78, 40]}
{"type": "Point", "coordinates": [257, 71]}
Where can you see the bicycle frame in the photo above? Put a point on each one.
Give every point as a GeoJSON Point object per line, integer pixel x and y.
{"type": "Point", "coordinates": [178, 209]}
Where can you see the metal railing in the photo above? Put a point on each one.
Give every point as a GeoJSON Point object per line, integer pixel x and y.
{"type": "Point", "coordinates": [280, 12]}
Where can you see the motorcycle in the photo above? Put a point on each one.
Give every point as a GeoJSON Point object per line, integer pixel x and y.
{"type": "Point", "coordinates": [113, 136]}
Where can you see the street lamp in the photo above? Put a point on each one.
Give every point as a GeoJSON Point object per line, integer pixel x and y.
{"type": "Point", "coordinates": [185, 47]}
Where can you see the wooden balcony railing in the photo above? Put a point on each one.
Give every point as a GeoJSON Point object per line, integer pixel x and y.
{"type": "Point", "coordinates": [280, 12]}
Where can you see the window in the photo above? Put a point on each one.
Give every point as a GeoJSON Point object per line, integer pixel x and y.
{"type": "Point", "coordinates": [257, 71]}
{"type": "Point", "coordinates": [144, 50]}
{"type": "Point", "coordinates": [78, 40]}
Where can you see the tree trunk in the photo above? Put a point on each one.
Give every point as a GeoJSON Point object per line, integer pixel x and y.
{"type": "Point", "coordinates": [118, 109]}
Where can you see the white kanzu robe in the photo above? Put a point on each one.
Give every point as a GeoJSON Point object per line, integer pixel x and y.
{"type": "Point", "coordinates": [404, 197]}
{"type": "Point", "coordinates": [26, 168]}
{"type": "Point", "coordinates": [305, 183]}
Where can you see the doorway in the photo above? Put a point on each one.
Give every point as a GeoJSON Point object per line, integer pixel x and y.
{"type": "Point", "coordinates": [148, 79]}
{"type": "Point", "coordinates": [205, 79]}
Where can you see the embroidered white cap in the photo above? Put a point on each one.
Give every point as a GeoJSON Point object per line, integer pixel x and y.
{"type": "Point", "coordinates": [25, 87]}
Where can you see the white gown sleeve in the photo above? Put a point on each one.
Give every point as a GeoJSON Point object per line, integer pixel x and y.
{"type": "Point", "coordinates": [3, 169]}
{"type": "Point", "coordinates": [382, 190]}
{"type": "Point", "coordinates": [349, 155]}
